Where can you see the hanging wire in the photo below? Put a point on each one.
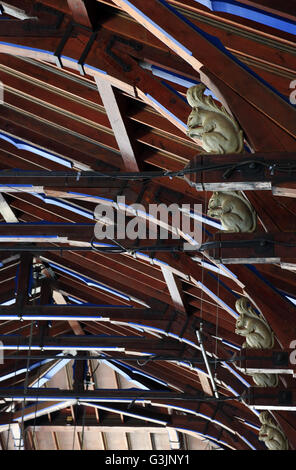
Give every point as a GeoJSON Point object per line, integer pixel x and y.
{"type": "Point", "coordinates": [11, 403]}
{"type": "Point", "coordinates": [217, 322]}
{"type": "Point", "coordinates": [90, 376]}
{"type": "Point", "coordinates": [203, 266]}
{"type": "Point", "coordinates": [74, 433]}
{"type": "Point", "coordinates": [36, 406]}
{"type": "Point", "coordinates": [22, 425]}
{"type": "Point", "coordinates": [83, 422]}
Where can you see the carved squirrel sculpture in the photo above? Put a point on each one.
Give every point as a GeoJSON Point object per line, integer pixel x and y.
{"type": "Point", "coordinates": [258, 336]}
{"type": "Point", "coordinates": [213, 125]}
{"type": "Point", "coordinates": [265, 380]}
{"type": "Point", "coordinates": [233, 210]}
{"type": "Point", "coordinates": [271, 434]}
{"type": "Point", "coordinates": [256, 330]}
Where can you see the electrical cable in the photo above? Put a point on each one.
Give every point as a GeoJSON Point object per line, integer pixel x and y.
{"type": "Point", "coordinates": [148, 175]}
{"type": "Point", "coordinates": [121, 249]}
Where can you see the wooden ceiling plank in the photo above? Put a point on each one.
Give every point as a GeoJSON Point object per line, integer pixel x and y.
{"type": "Point", "coordinates": [152, 91]}
{"type": "Point", "coordinates": [272, 6]}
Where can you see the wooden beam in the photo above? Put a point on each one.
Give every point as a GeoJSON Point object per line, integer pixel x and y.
{"type": "Point", "coordinates": [50, 82]}
{"type": "Point", "coordinates": [148, 292]}
{"type": "Point", "coordinates": [175, 288]}
{"type": "Point", "coordinates": [246, 172]}
{"type": "Point", "coordinates": [40, 409]}
{"type": "Point", "coordinates": [6, 211]}
{"type": "Point", "coordinates": [123, 427]}
{"type": "Point", "coordinates": [253, 248]}
{"type": "Point", "coordinates": [254, 123]}
{"type": "Point", "coordinates": [159, 346]}
{"type": "Point", "coordinates": [149, 317]}
{"type": "Point", "coordinates": [187, 422]}
{"type": "Point", "coordinates": [284, 189]}
{"type": "Point", "coordinates": [267, 361]}
{"type": "Point", "coordinates": [60, 300]}
{"type": "Point", "coordinates": [18, 9]}
{"type": "Point", "coordinates": [190, 43]}
{"type": "Point", "coordinates": [65, 395]}
{"type": "Point", "coordinates": [23, 280]}
{"type": "Point", "coordinates": [45, 299]}
{"type": "Point", "coordinates": [118, 123]}
{"type": "Point", "coordinates": [277, 399]}
{"type": "Point", "coordinates": [287, 423]}
{"type": "Point", "coordinates": [286, 10]}
{"type": "Point", "coordinates": [239, 42]}
{"type": "Point", "coordinates": [100, 65]}
{"type": "Point", "coordinates": [84, 12]}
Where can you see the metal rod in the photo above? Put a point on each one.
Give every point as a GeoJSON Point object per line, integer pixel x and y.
{"type": "Point", "coordinates": [198, 334]}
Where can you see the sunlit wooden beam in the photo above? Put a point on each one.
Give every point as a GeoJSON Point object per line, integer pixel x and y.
{"type": "Point", "coordinates": [117, 121]}
{"type": "Point", "coordinates": [175, 288]}
{"type": "Point", "coordinates": [6, 211]}
{"type": "Point", "coordinates": [75, 325]}
{"type": "Point", "coordinates": [17, 9]}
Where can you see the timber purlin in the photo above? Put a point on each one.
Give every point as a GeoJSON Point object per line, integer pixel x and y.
{"type": "Point", "coordinates": [256, 171]}
{"type": "Point", "coordinates": [252, 248]}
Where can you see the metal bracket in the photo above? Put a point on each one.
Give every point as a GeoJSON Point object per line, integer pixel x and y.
{"type": "Point", "coordinates": [85, 53]}
{"type": "Point", "coordinates": [62, 44]}
{"type": "Point", "coordinates": [86, 50]}
{"type": "Point", "coordinates": [262, 245]}
{"type": "Point", "coordinates": [129, 42]}
{"type": "Point", "coordinates": [123, 186]}
{"type": "Point", "coordinates": [248, 170]}
{"type": "Point", "coordinates": [40, 8]}
{"type": "Point", "coordinates": [141, 193]}
{"type": "Point", "coordinates": [172, 319]}
{"type": "Point", "coordinates": [280, 358]}
{"type": "Point", "coordinates": [185, 326]}
{"type": "Point", "coordinates": [285, 397]}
